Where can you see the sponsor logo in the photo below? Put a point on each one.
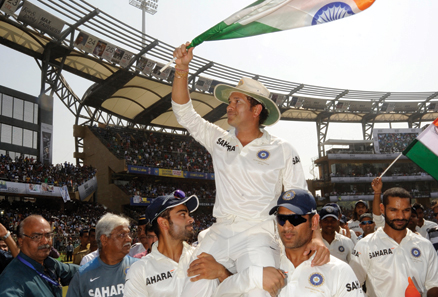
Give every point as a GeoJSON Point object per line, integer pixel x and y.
{"type": "Point", "coordinates": [296, 160]}
{"type": "Point", "coordinates": [93, 279]}
{"type": "Point", "coordinates": [383, 252]}
{"type": "Point", "coordinates": [114, 290]}
{"type": "Point", "coordinates": [341, 249]}
{"type": "Point", "coordinates": [159, 277]}
{"type": "Point", "coordinates": [353, 286]}
{"type": "Point", "coordinates": [263, 155]}
{"type": "Point", "coordinates": [355, 253]}
{"type": "Point", "coordinates": [316, 279]}
{"type": "Point", "coordinates": [226, 144]}
{"type": "Point", "coordinates": [415, 252]}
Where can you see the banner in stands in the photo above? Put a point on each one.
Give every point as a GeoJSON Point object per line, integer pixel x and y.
{"type": "Point", "coordinates": [46, 143]}
{"type": "Point", "coordinates": [169, 172]}
{"type": "Point", "coordinates": [140, 201]}
{"type": "Point", "coordinates": [31, 189]}
{"type": "Point", "coordinates": [40, 19]}
{"type": "Point", "coordinates": [64, 193]}
{"type": "Point", "coordinates": [87, 188]}
{"type": "Point", "coordinates": [9, 6]}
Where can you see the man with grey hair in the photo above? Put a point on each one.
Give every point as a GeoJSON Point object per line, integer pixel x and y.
{"type": "Point", "coordinates": [33, 272]}
{"type": "Point", "coordinates": [105, 275]}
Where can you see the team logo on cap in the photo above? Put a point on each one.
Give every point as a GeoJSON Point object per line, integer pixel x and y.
{"type": "Point", "coordinates": [341, 249]}
{"type": "Point", "coordinates": [329, 209]}
{"type": "Point", "coordinates": [289, 195]}
{"type": "Point", "coordinates": [316, 279]}
{"type": "Point", "coordinates": [415, 252]}
{"type": "Point", "coordinates": [263, 155]}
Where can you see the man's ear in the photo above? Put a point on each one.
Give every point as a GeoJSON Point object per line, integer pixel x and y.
{"type": "Point", "coordinates": [163, 223]}
{"type": "Point", "coordinates": [257, 109]}
{"type": "Point", "coordinates": [104, 239]}
{"type": "Point", "coordinates": [382, 208]}
{"type": "Point", "coordinates": [315, 222]}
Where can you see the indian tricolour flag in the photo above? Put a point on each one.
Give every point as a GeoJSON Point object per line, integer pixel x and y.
{"type": "Point", "coordinates": [423, 151]}
{"type": "Point", "coordinates": [266, 16]}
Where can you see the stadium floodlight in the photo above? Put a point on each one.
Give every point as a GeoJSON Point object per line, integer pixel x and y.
{"type": "Point", "coordinates": [149, 6]}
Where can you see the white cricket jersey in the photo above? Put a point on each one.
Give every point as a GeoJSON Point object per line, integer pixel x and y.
{"type": "Point", "coordinates": [136, 248]}
{"type": "Point", "coordinates": [386, 265]}
{"type": "Point", "coordinates": [87, 258]}
{"type": "Point", "coordinates": [341, 247]}
{"type": "Point", "coordinates": [379, 220]}
{"type": "Point", "coordinates": [248, 179]}
{"type": "Point", "coordinates": [158, 275]}
{"type": "Point", "coordinates": [335, 278]}
{"type": "Point", "coordinates": [353, 235]}
{"type": "Point", "coordinates": [425, 228]}
{"type": "Point", "coordinates": [354, 226]}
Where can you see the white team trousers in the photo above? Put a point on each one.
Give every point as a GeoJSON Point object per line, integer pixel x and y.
{"type": "Point", "coordinates": [240, 243]}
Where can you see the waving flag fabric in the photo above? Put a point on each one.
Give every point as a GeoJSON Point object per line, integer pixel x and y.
{"type": "Point", "coordinates": [423, 151]}
{"type": "Point", "coordinates": [266, 16]}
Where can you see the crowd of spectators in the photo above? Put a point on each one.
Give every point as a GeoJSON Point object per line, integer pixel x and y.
{"type": "Point", "coordinates": [149, 187]}
{"type": "Point", "coordinates": [154, 149]}
{"type": "Point", "coordinates": [394, 142]}
{"type": "Point", "coordinates": [66, 221]}
{"type": "Point", "coordinates": [27, 170]}
{"type": "Point", "coordinates": [373, 170]}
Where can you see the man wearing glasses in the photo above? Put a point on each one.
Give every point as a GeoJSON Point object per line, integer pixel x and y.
{"type": "Point", "coordinates": [367, 224]}
{"type": "Point", "coordinates": [33, 272]}
{"type": "Point", "coordinates": [297, 219]}
{"type": "Point", "coordinates": [105, 275]}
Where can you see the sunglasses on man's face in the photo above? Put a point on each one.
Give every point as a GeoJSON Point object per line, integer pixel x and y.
{"type": "Point", "coordinates": [294, 219]}
{"type": "Point", "coordinates": [366, 222]}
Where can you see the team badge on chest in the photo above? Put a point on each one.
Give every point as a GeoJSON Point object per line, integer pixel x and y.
{"type": "Point", "coordinates": [316, 279]}
{"type": "Point", "coordinates": [416, 252]}
{"type": "Point", "coordinates": [263, 155]}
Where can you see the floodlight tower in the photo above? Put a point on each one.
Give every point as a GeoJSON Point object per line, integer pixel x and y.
{"type": "Point", "coordinates": [149, 6]}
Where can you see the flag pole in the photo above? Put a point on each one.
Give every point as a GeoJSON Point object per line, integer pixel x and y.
{"type": "Point", "coordinates": [168, 64]}
{"type": "Point", "coordinates": [391, 165]}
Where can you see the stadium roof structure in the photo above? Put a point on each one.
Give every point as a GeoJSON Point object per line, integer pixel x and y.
{"type": "Point", "coordinates": [129, 90]}
{"type": "Point", "coordinates": [346, 142]}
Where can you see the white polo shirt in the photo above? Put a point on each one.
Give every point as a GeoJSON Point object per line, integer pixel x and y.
{"type": "Point", "coordinates": [353, 235]}
{"type": "Point", "coordinates": [379, 220]}
{"type": "Point", "coordinates": [87, 258]}
{"type": "Point", "coordinates": [426, 226]}
{"type": "Point", "coordinates": [248, 179]}
{"type": "Point", "coordinates": [386, 265]}
{"type": "Point", "coordinates": [335, 278]}
{"type": "Point", "coordinates": [341, 247]}
{"type": "Point", "coordinates": [158, 275]}
{"type": "Point", "coordinates": [136, 248]}
{"type": "Point", "coordinates": [354, 226]}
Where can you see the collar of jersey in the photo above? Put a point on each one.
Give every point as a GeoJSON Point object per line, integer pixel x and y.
{"type": "Point", "coordinates": [160, 256]}
{"type": "Point", "coordinates": [266, 137]}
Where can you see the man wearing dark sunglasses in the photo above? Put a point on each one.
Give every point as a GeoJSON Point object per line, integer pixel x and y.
{"type": "Point", "coordinates": [367, 224]}
{"type": "Point", "coordinates": [296, 220]}
{"type": "Point", "coordinates": [33, 272]}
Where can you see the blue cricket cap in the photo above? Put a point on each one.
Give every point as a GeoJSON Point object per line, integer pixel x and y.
{"type": "Point", "coordinates": [161, 203]}
{"type": "Point", "coordinates": [299, 201]}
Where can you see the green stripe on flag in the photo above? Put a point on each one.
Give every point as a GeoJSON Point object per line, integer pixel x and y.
{"type": "Point", "coordinates": [423, 157]}
{"type": "Point", "coordinates": [236, 30]}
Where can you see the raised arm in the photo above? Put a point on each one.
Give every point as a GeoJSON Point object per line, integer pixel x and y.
{"type": "Point", "coordinates": [9, 241]}
{"type": "Point", "coordinates": [377, 185]}
{"type": "Point", "coordinates": [180, 92]}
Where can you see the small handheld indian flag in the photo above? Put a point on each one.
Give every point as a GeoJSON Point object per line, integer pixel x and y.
{"type": "Point", "coordinates": [267, 16]}
{"type": "Point", "coordinates": [423, 151]}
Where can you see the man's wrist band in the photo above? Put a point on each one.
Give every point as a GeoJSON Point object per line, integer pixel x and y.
{"type": "Point", "coordinates": [377, 193]}
{"type": "Point", "coordinates": [6, 236]}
